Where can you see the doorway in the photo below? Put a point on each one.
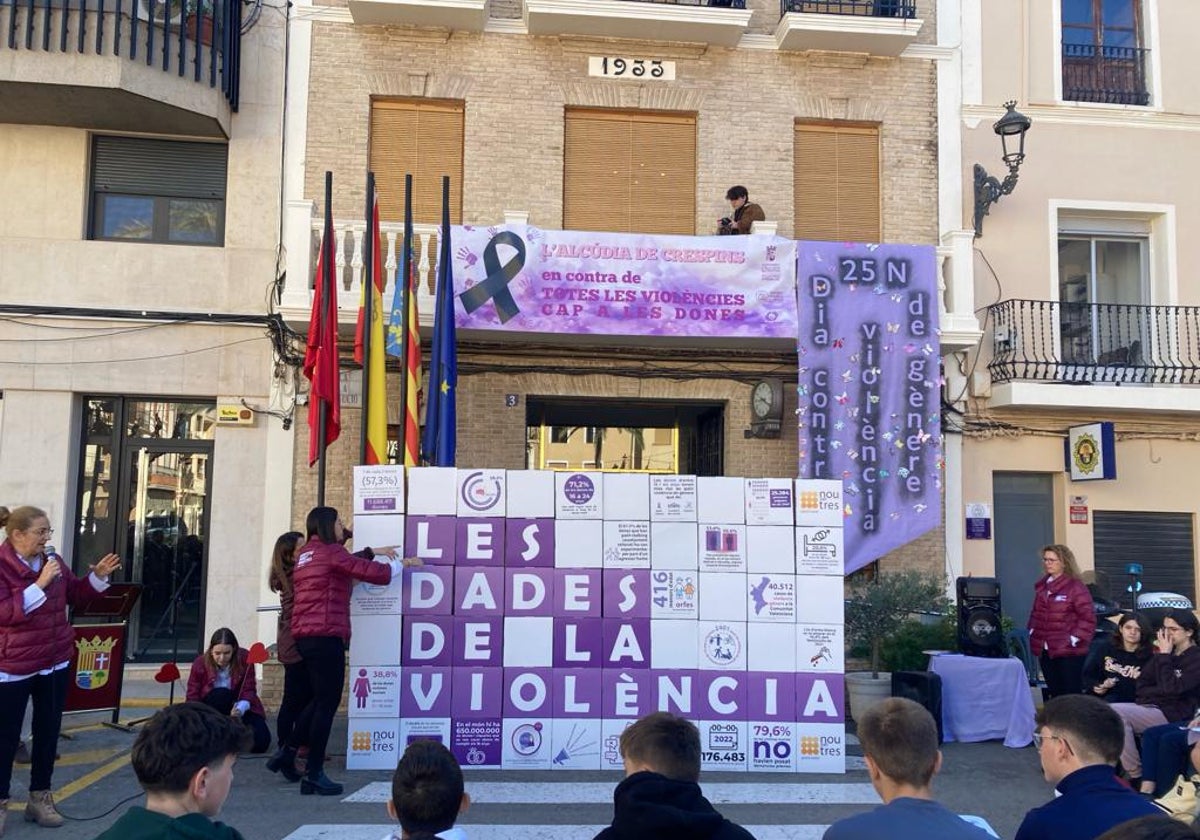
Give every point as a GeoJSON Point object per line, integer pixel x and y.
{"type": "Point", "coordinates": [145, 475]}
{"type": "Point", "coordinates": [1024, 522]}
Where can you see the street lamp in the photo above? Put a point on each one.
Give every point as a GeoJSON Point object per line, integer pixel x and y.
{"type": "Point", "coordinates": [988, 189]}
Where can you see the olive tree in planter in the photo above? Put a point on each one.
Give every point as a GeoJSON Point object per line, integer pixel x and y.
{"type": "Point", "coordinates": [874, 611]}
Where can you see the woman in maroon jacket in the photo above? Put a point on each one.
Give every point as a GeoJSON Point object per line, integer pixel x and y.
{"type": "Point", "coordinates": [36, 643]}
{"type": "Point", "coordinates": [222, 677]}
{"type": "Point", "coordinates": [321, 582]}
{"type": "Point", "coordinates": [1062, 622]}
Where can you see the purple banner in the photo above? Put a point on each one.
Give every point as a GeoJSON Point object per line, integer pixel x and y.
{"type": "Point", "coordinates": [870, 388]}
{"type": "Point", "coordinates": [524, 279]}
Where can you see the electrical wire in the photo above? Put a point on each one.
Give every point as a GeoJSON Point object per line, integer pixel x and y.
{"type": "Point", "coordinates": [67, 816]}
{"type": "Point", "coordinates": [148, 358]}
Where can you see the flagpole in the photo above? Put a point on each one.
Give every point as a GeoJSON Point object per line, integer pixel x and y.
{"type": "Point", "coordinates": [405, 272]}
{"type": "Point", "coordinates": [327, 264]}
{"type": "Point", "coordinates": [368, 289]}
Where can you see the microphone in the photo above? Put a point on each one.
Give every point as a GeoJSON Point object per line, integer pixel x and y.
{"type": "Point", "coordinates": [51, 553]}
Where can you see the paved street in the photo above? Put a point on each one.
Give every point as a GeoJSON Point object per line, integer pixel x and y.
{"type": "Point", "coordinates": [987, 780]}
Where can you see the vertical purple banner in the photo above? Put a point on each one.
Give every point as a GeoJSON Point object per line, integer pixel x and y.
{"type": "Point", "coordinates": [870, 387]}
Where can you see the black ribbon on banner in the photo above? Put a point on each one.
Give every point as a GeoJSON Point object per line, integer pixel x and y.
{"type": "Point", "coordinates": [494, 286]}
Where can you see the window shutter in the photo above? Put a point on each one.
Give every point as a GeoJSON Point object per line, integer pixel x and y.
{"type": "Point", "coordinates": [177, 169]}
{"type": "Point", "coordinates": [629, 172]}
{"type": "Point", "coordinates": [425, 139]}
{"type": "Point", "coordinates": [837, 183]}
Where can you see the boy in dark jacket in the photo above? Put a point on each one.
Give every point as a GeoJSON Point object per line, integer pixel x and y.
{"type": "Point", "coordinates": [659, 798]}
{"type": "Point", "coordinates": [183, 759]}
{"type": "Point", "coordinates": [1078, 740]}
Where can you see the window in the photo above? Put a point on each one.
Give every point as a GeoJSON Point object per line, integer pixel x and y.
{"type": "Point", "coordinates": [163, 191]}
{"type": "Point", "coordinates": [1103, 58]}
{"type": "Point", "coordinates": [1103, 284]}
{"type": "Point", "coordinates": [629, 171]}
{"type": "Point", "coordinates": [837, 182]}
{"type": "Point", "coordinates": [423, 138]}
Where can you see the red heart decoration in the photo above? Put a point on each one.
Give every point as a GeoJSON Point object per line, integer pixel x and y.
{"type": "Point", "coordinates": [167, 673]}
{"type": "Point", "coordinates": [257, 654]}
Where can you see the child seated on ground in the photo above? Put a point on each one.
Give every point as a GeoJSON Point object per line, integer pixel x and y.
{"type": "Point", "coordinates": [222, 677]}
{"type": "Point", "coordinates": [427, 794]}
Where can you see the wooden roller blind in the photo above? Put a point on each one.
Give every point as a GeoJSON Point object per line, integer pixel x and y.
{"type": "Point", "coordinates": [423, 138]}
{"type": "Point", "coordinates": [630, 172]}
{"type": "Point", "coordinates": [837, 183]}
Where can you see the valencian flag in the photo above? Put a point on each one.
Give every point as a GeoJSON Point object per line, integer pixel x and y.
{"type": "Point", "coordinates": [321, 352]}
{"type": "Point", "coordinates": [404, 338]}
{"type": "Point", "coordinates": [368, 346]}
{"type": "Point", "coordinates": [438, 444]}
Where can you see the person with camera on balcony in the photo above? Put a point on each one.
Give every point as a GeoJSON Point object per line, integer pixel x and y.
{"type": "Point", "coordinates": [745, 213]}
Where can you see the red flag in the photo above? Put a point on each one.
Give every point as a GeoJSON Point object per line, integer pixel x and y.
{"type": "Point", "coordinates": [321, 353]}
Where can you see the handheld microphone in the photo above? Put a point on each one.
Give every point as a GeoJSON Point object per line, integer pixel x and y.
{"type": "Point", "coordinates": [51, 553]}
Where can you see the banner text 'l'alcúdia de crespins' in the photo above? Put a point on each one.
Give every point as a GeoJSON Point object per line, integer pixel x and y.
{"type": "Point", "coordinates": [865, 325]}
{"type": "Point", "coordinates": [554, 608]}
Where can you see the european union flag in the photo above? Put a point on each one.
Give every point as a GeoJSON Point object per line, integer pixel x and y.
{"type": "Point", "coordinates": [438, 441]}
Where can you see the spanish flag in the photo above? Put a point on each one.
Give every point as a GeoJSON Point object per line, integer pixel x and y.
{"type": "Point", "coordinates": [375, 398]}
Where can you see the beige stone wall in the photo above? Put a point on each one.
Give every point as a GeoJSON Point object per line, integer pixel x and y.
{"type": "Point", "coordinates": [516, 88]}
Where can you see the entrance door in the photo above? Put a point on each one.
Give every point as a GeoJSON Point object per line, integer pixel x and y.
{"type": "Point", "coordinates": [1024, 510]}
{"type": "Point", "coordinates": [165, 537]}
{"type": "Point", "coordinates": [145, 465]}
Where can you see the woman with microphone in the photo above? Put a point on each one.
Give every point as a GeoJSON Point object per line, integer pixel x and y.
{"type": "Point", "coordinates": [36, 643]}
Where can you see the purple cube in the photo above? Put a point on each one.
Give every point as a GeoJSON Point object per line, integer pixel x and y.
{"type": "Point", "coordinates": [427, 590]}
{"type": "Point", "coordinates": [722, 695]}
{"type": "Point", "coordinates": [577, 592]}
{"type": "Point", "coordinates": [820, 698]}
{"type": "Point", "coordinates": [425, 692]}
{"type": "Point", "coordinates": [626, 593]}
{"type": "Point", "coordinates": [528, 692]}
{"type": "Point", "coordinates": [478, 641]}
{"type": "Point", "coordinates": [431, 538]}
{"type": "Point", "coordinates": [626, 643]}
{"type": "Point", "coordinates": [578, 642]}
{"type": "Point", "coordinates": [479, 542]}
{"type": "Point", "coordinates": [771, 696]}
{"type": "Point", "coordinates": [477, 693]}
{"type": "Point", "coordinates": [529, 542]}
{"type": "Point", "coordinates": [529, 592]}
{"type": "Point", "coordinates": [577, 693]}
{"type": "Point", "coordinates": [427, 641]}
{"type": "Point", "coordinates": [478, 590]}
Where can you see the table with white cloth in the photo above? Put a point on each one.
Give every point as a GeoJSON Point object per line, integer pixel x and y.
{"type": "Point", "coordinates": [985, 699]}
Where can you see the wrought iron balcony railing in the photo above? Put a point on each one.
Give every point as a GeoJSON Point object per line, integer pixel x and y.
{"type": "Point", "coordinates": [1115, 75]}
{"type": "Point", "coordinates": [197, 38]}
{"type": "Point", "coordinates": [1049, 341]}
{"type": "Point", "coordinates": [867, 8]}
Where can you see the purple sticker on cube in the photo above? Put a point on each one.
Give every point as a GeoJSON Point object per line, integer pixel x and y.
{"type": "Point", "coordinates": [820, 698]}
{"type": "Point", "coordinates": [427, 641]}
{"type": "Point", "coordinates": [479, 542]}
{"type": "Point", "coordinates": [577, 592]}
{"type": "Point", "coordinates": [721, 695]}
{"type": "Point", "coordinates": [477, 693]}
{"type": "Point", "coordinates": [528, 692]}
{"type": "Point", "coordinates": [479, 590]}
{"type": "Point", "coordinates": [626, 643]}
{"type": "Point", "coordinates": [476, 742]}
{"type": "Point", "coordinates": [528, 592]}
{"type": "Point", "coordinates": [431, 538]}
{"type": "Point", "coordinates": [780, 498]}
{"type": "Point", "coordinates": [626, 593]}
{"type": "Point", "coordinates": [425, 692]}
{"type": "Point", "coordinates": [577, 693]}
{"type": "Point", "coordinates": [427, 590]}
{"type": "Point", "coordinates": [626, 693]}
{"type": "Point", "coordinates": [478, 641]}
{"type": "Point", "coordinates": [375, 505]}
{"type": "Point", "coordinates": [529, 542]}
{"type": "Point", "coordinates": [578, 642]}
{"type": "Point", "coordinates": [771, 696]}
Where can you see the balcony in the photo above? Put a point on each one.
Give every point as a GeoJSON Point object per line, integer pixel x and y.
{"type": "Point", "coordinates": [122, 65]}
{"type": "Point", "coordinates": [455, 15]}
{"type": "Point", "coordinates": [875, 27]}
{"type": "Point", "coordinates": [1096, 344]}
{"type": "Point", "coordinates": [1111, 75]}
{"type": "Point", "coordinates": [718, 23]}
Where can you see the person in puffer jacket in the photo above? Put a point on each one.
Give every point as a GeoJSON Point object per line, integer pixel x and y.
{"type": "Point", "coordinates": [659, 798]}
{"type": "Point", "coordinates": [1062, 622]}
{"type": "Point", "coordinates": [322, 579]}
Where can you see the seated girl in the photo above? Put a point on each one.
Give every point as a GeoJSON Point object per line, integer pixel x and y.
{"type": "Point", "coordinates": [1111, 672]}
{"type": "Point", "coordinates": [223, 678]}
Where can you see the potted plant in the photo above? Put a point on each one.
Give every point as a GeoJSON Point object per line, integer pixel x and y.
{"type": "Point", "coordinates": [875, 610]}
{"type": "Point", "coordinates": [198, 20]}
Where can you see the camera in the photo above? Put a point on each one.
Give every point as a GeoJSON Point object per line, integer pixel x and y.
{"type": "Point", "coordinates": [724, 226]}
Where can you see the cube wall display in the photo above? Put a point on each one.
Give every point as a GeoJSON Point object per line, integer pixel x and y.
{"type": "Point", "coordinates": [627, 496]}
{"type": "Point", "coordinates": [553, 609]}
{"type": "Point", "coordinates": [720, 499]}
{"type": "Point", "coordinates": [432, 491]}
{"type": "Point", "coordinates": [530, 494]}
{"type": "Point", "coordinates": [481, 493]}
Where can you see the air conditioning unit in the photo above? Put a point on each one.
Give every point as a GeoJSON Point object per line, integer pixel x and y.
{"type": "Point", "coordinates": [168, 11]}
{"type": "Point", "coordinates": [1005, 336]}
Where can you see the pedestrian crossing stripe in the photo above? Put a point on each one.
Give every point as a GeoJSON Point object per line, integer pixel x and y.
{"type": "Point", "coordinates": [601, 793]}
